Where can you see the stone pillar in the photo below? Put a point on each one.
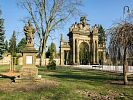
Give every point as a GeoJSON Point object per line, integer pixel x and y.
{"type": "Point", "coordinates": [29, 69]}
{"type": "Point", "coordinates": [73, 51]}
{"type": "Point", "coordinates": [62, 57]}
{"type": "Point", "coordinates": [104, 53]}
{"type": "Point", "coordinates": [104, 56]}
{"type": "Point", "coordinates": [97, 53]}
{"type": "Point", "coordinates": [67, 58]}
{"type": "Point", "coordinates": [89, 53]}
{"type": "Point", "coordinates": [77, 46]}
{"type": "Point", "coordinates": [94, 52]}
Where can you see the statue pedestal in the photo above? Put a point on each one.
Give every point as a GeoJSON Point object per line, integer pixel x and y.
{"type": "Point", "coordinates": [29, 70]}
{"type": "Point", "coordinates": [29, 73]}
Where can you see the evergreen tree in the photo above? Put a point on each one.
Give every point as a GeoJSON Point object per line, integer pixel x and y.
{"type": "Point", "coordinates": [12, 44]}
{"type": "Point", "coordinates": [6, 46]}
{"type": "Point", "coordinates": [101, 36]}
{"type": "Point", "coordinates": [48, 52]}
{"type": "Point", "coordinates": [2, 32]}
{"type": "Point", "coordinates": [52, 62]}
{"type": "Point", "coordinates": [84, 54]}
{"type": "Point", "coordinates": [21, 45]}
{"type": "Point", "coordinates": [51, 51]}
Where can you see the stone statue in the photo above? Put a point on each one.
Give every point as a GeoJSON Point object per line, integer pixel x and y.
{"type": "Point", "coordinates": [83, 24]}
{"type": "Point", "coordinates": [75, 25]}
{"type": "Point", "coordinates": [80, 26]}
{"type": "Point", "coordinates": [71, 28]}
{"type": "Point", "coordinates": [95, 29]}
{"type": "Point", "coordinates": [83, 21]}
{"type": "Point", "coordinates": [87, 27]}
{"type": "Point", "coordinates": [29, 31]}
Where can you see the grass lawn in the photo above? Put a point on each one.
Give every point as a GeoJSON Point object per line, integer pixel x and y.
{"type": "Point", "coordinates": [73, 84]}
{"type": "Point", "coordinates": [7, 68]}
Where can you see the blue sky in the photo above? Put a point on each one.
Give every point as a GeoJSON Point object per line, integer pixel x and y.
{"type": "Point", "coordinates": [105, 12]}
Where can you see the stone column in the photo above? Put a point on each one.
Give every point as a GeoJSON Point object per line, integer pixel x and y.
{"type": "Point", "coordinates": [104, 54]}
{"type": "Point", "coordinates": [97, 53]}
{"type": "Point", "coordinates": [94, 52]}
{"type": "Point", "coordinates": [89, 52]}
{"type": "Point", "coordinates": [67, 57]}
{"type": "Point", "coordinates": [62, 57]}
{"type": "Point", "coordinates": [73, 51]}
{"type": "Point", "coordinates": [77, 51]}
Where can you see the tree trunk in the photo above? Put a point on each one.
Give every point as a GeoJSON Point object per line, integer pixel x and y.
{"type": "Point", "coordinates": [125, 74]}
{"type": "Point", "coordinates": [43, 54]}
{"type": "Point", "coordinates": [40, 53]}
{"type": "Point", "coordinates": [43, 48]}
{"type": "Point", "coordinates": [125, 66]}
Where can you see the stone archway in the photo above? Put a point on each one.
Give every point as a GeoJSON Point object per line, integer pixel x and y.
{"type": "Point", "coordinates": [84, 55]}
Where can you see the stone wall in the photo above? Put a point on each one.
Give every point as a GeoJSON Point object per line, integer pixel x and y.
{"type": "Point", "coordinates": [6, 60]}
{"type": "Point", "coordinates": [20, 61]}
{"type": "Point", "coordinates": [44, 62]}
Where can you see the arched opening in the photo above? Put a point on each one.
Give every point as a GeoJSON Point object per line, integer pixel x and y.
{"type": "Point", "coordinates": [84, 56]}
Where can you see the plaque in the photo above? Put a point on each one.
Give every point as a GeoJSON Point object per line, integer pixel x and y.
{"type": "Point", "coordinates": [29, 60]}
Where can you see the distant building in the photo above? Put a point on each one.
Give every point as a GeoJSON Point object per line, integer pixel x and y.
{"type": "Point", "coordinates": [83, 47]}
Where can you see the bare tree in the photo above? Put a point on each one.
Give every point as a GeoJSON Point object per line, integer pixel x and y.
{"type": "Point", "coordinates": [47, 15]}
{"type": "Point", "coordinates": [121, 43]}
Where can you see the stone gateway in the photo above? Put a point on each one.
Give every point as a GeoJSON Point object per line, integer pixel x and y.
{"type": "Point", "coordinates": [83, 47]}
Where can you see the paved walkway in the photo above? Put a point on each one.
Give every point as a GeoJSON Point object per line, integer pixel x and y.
{"type": "Point", "coordinates": [105, 68]}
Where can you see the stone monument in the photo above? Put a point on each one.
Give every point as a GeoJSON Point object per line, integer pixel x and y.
{"type": "Point", "coordinates": [29, 70]}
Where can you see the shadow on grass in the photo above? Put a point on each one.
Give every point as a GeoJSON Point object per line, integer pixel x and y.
{"type": "Point", "coordinates": [81, 75]}
{"type": "Point", "coordinates": [77, 77]}
{"type": "Point", "coordinates": [93, 79]}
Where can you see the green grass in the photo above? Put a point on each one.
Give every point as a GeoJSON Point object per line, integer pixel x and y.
{"type": "Point", "coordinates": [7, 68]}
{"type": "Point", "coordinates": [76, 84]}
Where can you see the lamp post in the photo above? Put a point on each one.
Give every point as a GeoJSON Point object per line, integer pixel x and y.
{"type": "Point", "coordinates": [127, 12]}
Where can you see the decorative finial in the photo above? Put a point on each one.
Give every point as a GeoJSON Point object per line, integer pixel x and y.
{"type": "Point", "coordinates": [61, 37]}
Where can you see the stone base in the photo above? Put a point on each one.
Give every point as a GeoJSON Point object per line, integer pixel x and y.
{"type": "Point", "coordinates": [29, 49]}
{"type": "Point", "coordinates": [29, 73]}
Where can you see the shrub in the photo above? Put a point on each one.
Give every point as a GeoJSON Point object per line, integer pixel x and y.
{"type": "Point", "coordinates": [51, 65]}
{"type": "Point", "coordinates": [52, 62]}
